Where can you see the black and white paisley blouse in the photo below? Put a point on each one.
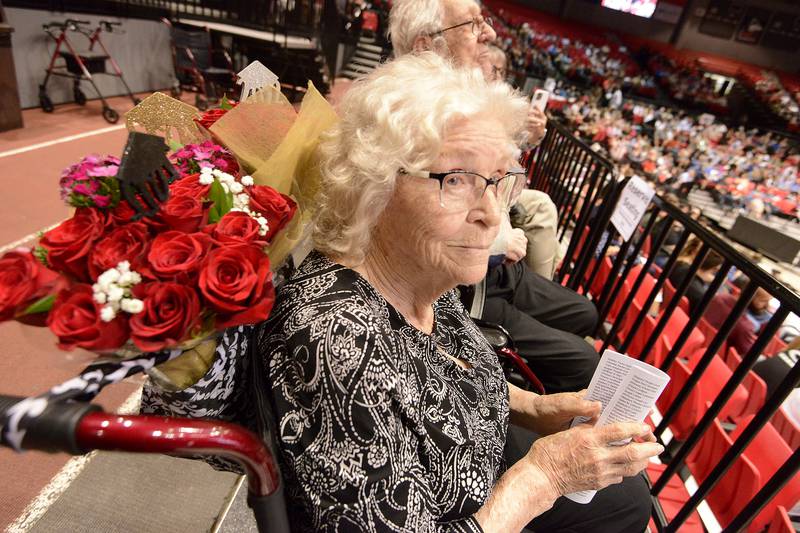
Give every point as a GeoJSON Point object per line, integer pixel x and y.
{"type": "Point", "coordinates": [378, 429]}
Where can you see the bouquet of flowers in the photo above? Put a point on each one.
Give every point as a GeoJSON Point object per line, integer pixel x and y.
{"type": "Point", "coordinates": [111, 283]}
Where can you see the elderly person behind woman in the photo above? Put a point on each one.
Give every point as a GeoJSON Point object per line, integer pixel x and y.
{"type": "Point", "coordinates": [390, 409]}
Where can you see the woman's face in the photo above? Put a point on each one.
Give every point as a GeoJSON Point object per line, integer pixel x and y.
{"type": "Point", "coordinates": [445, 246]}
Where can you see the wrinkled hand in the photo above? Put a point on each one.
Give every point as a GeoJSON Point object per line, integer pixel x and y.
{"type": "Point", "coordinates": [535, 125]}
{"type": "Point", "coordinates": [552, 413]}
{"type": "Point", "coordinates": [517, 245]}
{"type": "Point", "coordinates": [582, 458]}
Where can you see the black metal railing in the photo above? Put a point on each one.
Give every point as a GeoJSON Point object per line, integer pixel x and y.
{"type": "Point", "coordinates": [578, 180]}
{"type": "Point", "coordinates": [626, 282]}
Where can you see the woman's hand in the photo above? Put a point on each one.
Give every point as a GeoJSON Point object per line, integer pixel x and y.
{"type": "Point", "coordinates": [517, 245]}
{"type": "Point", "coordinates": [535, 125]}
{"type": "Point", "coordinates": [584, 457]}
{"type": "Point", "coordinates": [550, 413]}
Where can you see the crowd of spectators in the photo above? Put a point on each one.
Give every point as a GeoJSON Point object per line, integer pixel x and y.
{"type": "Point", "coordinates": [756, 173]}
{"type": "Point", "coordinates": [540, 48]}
{"type": "Point", "coordinates": [686, 83]}
{"type": "Point", "coordinates": [780, 99]}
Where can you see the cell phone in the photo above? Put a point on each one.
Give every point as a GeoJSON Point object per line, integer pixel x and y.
{"type": "Point", "coordinates": [539, 100]}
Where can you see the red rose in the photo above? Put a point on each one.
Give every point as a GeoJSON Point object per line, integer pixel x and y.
{"type": "Point", "coordinates": [75, 319]}
{"type": "Point", "coordinates": [177, 256]}
{"type": "Point", "coordinates": [68, 245]}
{"type": "Point", "coordinates": [276, 207]}
{"type": "Point", "coordinates": [212, 115]}
{"type": "Point", "coordinates": [170, 312]}
{"type": "Point", "coordinates": [23, 280]}
{"type": "Point", "coordinates": [236, 227]}
{"type": "Point", "coordinates": [190, 185]}
{"type": "Point", "coordinates": [237, 283]}
{"type": "Point", "coordinates": [125, 243]}
{"type": "Point", "coordinates": [184, 213]}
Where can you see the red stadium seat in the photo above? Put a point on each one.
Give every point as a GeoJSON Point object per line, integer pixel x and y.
{"type": "Point", "coordinates": [781, 523]}
{"type": "Point", "coordinates": [710, 332]}
{"type": "Point", "coordinates": [768, 451]}
{"type": "Point", "coordinates": [675, 324]}
{"type": "Point", "coordinates": [775, 346]}
{"type": "Point", "coordinates": [787, 427]}
{"type": "Point", "coordinates": [672, 498]}
{"type": "Point", "coordinates": [739, 484]}
{"type": "Point", "coordinates": [669, 292]}
{"type": "Point", "coordinates": [707, 389]}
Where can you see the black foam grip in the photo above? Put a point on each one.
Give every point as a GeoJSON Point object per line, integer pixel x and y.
{"type": "Point", "coordinates": [54, 430]}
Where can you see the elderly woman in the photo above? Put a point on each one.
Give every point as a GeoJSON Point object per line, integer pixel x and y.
{"type": "Point", "coordinates": [389, 408]}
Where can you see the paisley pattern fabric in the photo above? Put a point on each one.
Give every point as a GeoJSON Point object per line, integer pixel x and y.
{"type": "Point", "coordinates": [378, 429]}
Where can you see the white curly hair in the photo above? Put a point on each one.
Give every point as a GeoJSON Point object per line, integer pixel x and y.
{"type": "Point", "coordinates": [396, 118]}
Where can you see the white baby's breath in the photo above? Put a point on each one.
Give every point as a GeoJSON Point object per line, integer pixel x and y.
{"type": "Point", "coordinates": [113, 291]}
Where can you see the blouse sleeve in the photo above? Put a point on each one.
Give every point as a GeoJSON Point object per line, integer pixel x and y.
{"type": "Point", "coordinates": [351, 454]}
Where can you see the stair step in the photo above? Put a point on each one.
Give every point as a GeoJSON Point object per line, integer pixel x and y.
{"type": "Point", "coordinates": [367, 54]}
{"type": "Point", "coordinates": [347, 73]}
{"type": "Point", "coordinates": [370, 47]}
{"type": "Point", "coordinates": [371, 63]}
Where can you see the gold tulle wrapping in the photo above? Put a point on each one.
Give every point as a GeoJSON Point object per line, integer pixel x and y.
{"type": "Point", "coordinates": [277, 145]}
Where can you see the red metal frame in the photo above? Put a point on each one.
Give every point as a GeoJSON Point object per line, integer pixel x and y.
{"type": "Point", "coordinates": [523, 368]}
{"type": "Point", "coordinates": [182, 437]}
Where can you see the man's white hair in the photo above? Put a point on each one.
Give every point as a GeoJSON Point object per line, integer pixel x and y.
{"type": "Point", "coordinates": [396, 118]}
{"type": "Point", "coordinates": [409, 19]}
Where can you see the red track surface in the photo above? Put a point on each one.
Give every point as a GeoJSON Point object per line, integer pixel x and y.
{"type": "Point", "coordinates": [29, 361]}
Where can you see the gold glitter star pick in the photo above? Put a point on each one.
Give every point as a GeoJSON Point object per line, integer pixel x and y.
{"type": "Point", "coordinates": [159, 114]}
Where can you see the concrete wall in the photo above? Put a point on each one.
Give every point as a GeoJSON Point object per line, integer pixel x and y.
{"type": "Point", "coordinates": [692, 39]}
{"type": "Point", "coordinates": [142, 52]}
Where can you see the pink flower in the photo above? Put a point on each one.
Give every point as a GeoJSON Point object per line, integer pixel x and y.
{"type": "Point", "coordinates": [86, 188]}
{"type": "Point", "coordinates": [101, 201]}
{"type": "Point", "coordinates": [108, 171]}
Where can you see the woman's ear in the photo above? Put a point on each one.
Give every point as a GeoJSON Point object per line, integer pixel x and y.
{"type": "Point", "coordinates": [422, 43]}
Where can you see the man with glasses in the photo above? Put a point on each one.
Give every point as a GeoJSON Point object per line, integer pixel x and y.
{"type": "Point", "coordinates": [546, 320]}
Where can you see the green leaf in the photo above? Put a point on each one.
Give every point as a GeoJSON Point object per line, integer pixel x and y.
{"type": "Point", "coordinates": [174, 145]}
{"type": "Point", "coordinates": [113, 189]}
{"type": "Point", "coordinates": [223, 202]}
{"type": "Point", "coordinates": [42, 305]}
{"type": "Point", "coordinates": [225, 103]}
{"type": "Point", "coordinates": [40, 253]}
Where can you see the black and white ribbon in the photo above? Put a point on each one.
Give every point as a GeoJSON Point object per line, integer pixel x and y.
{"type": "Point", "coordinates": [82, 388]}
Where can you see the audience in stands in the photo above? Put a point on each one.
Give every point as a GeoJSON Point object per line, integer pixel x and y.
{"type": "Point", "coordinates": [678, 151]}
{"type": "Point", "coordinates": [746, 330]}
{"type": "Point", "coordinates": [701, 279]}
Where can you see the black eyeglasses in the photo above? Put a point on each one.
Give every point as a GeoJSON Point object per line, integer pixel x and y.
{"type": "Point", "coordinates": [477, 25]}
{"type": "Point", "coordinates": [462, 189]}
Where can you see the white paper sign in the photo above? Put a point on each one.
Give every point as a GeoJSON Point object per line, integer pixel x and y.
{"type": "Point", "coordinates": [631, 206]}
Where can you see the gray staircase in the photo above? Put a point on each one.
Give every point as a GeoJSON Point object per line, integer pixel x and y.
{"type": "Point", "coordinates": [367, 56]}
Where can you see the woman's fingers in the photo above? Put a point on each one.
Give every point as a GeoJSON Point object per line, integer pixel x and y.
{"type": "Point", "coordinates": [621, 431]}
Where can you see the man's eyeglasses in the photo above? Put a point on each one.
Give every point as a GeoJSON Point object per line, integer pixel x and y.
{"type": "Point", "coordinates": [477, 25]}
{"type": "Point", "coordinates": [499, 73]}
{"type": "Point", "coordinates": [461, 189]}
